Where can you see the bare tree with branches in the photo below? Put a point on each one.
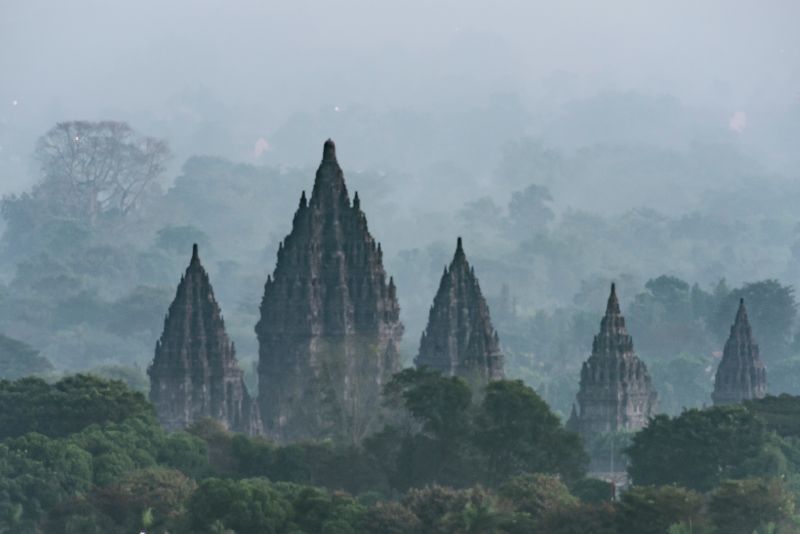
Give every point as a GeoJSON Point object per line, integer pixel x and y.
{"type": "Point", "coordinates": [98, 167]}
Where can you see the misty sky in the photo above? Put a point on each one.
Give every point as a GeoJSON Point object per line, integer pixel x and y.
{"type": "Point", "coordinates": [255, 63]}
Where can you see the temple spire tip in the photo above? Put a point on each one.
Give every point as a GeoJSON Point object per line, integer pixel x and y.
{"type": "Point", "coordinates": [459, 249]}
{"type": "Point", "coordinates": [329, 151]}
{"type": "Point", "coordinates": [613, 301]}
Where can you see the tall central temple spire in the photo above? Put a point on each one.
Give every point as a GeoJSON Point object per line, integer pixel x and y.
{"type": "Point", "coordinates": [330, 322]}
{"type": "Point", "coordinates": [741, 374]}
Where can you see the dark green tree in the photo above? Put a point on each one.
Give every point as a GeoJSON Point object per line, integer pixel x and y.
{"type": "Point", "coordinates": [652, 510]}
{"type": "Point", "coordinates": [145, 500]}
{"type": "Point", "coordinates": [249, 505]}
{"type": "Point", "coordinates": [437, 445]}
{"type": "Point", "coordinates": [698, 449]}
{"type": "Point", "coordinates": [436, 505]}
{"type": "Point", "coordinates": [781, 414]}
{"type": "Point", "coordinates": [518, 433]}
{"type": "Point", "coordinates": [580, 519]}
{"type": "Point", "coordinates": [389, 518]}
{"type": "Point", "coordinates": [742, 506]}
{"type": "Point", "coordinates": [69, 405]}
{"type": "Point", "coordinates": [536, 495]}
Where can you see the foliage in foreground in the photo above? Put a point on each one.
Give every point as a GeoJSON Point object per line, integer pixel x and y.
{"type": "Point", "coordinates": [98, 471]}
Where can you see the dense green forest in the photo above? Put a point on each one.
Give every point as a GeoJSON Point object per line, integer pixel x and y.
{"type": "Point", "coordinates": [85, 455]}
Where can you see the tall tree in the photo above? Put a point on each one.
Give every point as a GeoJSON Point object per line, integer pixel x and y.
{"type": "Point", "coordinates": [518, 433]}
{"type": "Point", "coordinates": [700, 448]}
{"type": "Point", "coordinates": [89, 168]}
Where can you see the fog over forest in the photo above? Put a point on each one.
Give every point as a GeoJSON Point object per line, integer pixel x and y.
{"type": "Point", "coordinates": [569, 145]}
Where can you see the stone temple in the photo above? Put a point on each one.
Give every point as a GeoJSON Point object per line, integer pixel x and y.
{"type": "Point", "coordinates": [741, 374]}
{"type": "Point", "coordinates": [460, 339]}
{"type": "Point", "coordinates": [330, 325]}
{"type": "Point", "coordinates": [195, 374]}
{"type": "Point", "coordinates": [616, 393]}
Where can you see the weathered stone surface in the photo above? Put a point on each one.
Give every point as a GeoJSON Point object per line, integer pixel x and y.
{"type": "Point", "coordinates": [616, 393]}
{"type": "Point", "coordinates": [330, 322]}
{"type": "Point", "coordinates": [195, 373]}
{"type": "Point", "coordinates": [460, 339]}
{"type": "Point", "coordinates": [741, 374]}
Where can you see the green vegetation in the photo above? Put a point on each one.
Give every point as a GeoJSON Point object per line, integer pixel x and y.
{"type": "Point", "coordinates": [107, 467]}
{"type": "Point", "coordinates": [88, 268]}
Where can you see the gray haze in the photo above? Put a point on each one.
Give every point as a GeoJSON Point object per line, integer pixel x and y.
{"type": "Point", "coordinates": [213, 77]}
{"type": "Point", "coordinates": [569, 143]}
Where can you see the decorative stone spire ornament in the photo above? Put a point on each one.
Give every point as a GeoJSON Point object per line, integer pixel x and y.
{"type": "Point", "coordinates": [616, 393]}
{"type": "Point", "coordinates": [330, 325]}
{"type": "Point", "coordinates": [460, 339]}
{"type": "Point", "coordinates": [741, 374]}
{"type": "Point", "coordinates": [195, 373]}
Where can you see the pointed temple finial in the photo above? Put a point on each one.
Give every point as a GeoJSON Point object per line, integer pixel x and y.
{"type": "Point", "coordinates": [613, 301]}
{"type": "Point", "coordinates": [356, 202]}
{"type": "Point", "coordinates": [741, 316]}
{"type": "Point", "coordinates": [329, 151]}
{"type": "Point", "coordinates": [459, 250]}
{"type": "Point", "coordinates": [303, 200]}
{"type": "Point", "coordinates": [195, 254]}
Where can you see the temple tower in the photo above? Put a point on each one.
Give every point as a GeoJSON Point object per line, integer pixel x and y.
{"type": "Point", "coordinates": [460, 339]}
{"type": "Point", "coordinates": [616, 393]}
{"type": "Point", "coordinates": [195, 373]}
{"type": "Point", "coordinates": [330, 321]}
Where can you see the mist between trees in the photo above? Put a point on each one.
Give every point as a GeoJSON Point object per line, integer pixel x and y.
{"type": "Point", "coordinates": [92, 252]}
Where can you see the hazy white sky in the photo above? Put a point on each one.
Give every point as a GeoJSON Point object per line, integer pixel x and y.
{"type": "Point", "coordinates": [267, 59]}
{"type": "Point", "coordinates": [95, 54]}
